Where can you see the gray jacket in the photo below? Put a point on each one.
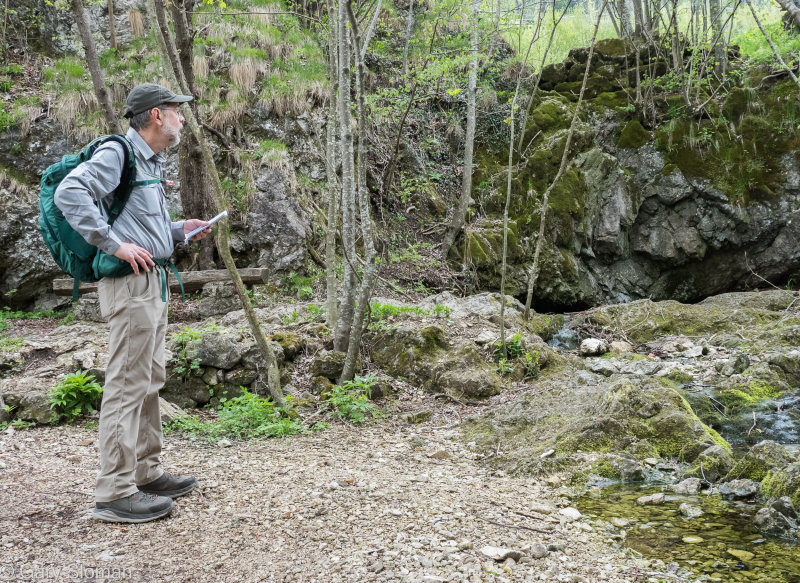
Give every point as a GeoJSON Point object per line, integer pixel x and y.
{"type": "Point", "coordinates": [144, 221]}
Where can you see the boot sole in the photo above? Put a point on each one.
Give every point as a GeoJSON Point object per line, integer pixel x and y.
{"type": "Point", "coordinates": [173, 493]}
{"type": "Point", "coordinates": [111, 515]}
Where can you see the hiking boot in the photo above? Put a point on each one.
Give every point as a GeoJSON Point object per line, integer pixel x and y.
{"type": "Point", "coordinates": [138, 507]}
{"type": "Point", "coordinates": [170, 485]}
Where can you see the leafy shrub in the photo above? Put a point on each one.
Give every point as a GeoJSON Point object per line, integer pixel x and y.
{"type": "Point", "coordinates": [243, 417]}
{"type": "Point", "coordinates": [181, 365]}
{"type": "Point", "coordinates": [350, 400]}
{"type": "Point", "coordinates": [515, 347]}
{"type": "Point", "coordinates": [76, 393]}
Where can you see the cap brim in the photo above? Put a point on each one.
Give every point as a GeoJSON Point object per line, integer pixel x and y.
{"type": "Point", "coordinates": [181, 98]}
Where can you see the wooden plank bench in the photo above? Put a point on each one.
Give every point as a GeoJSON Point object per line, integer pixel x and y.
{"type": "Point", "coordinates": [192, 280]}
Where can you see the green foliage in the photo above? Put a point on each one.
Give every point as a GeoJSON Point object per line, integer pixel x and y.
{"type": "Point", "coordinates": [73, 395]}
{"type": "Point", "coordinates": [754, 46]}
{"type": "Point", "coordinates": [299, 285]}
{"type": "Point", "coordinates": [514, 347]}
{"type": "Point", "coordinates": [350, 400]}
{"type": "Point", "coordinates": [182, 365]}
{"type": "Point", "coordinates": [247, 416]}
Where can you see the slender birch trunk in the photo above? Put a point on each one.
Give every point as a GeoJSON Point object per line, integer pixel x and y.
{"type": "Point", "coordinates": [540, 239]}
{"type": "Point", "coordinates": [409, 33]}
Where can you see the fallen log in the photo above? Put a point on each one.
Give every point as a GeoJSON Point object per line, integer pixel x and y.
{"type": "Point", "coordinates": [192, 280]}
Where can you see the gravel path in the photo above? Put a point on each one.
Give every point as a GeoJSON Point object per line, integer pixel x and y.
{"type": "Point", "coordinates": [381, 503]}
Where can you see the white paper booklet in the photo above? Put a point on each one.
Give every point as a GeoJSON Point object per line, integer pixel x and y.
{"type": "Point", "coordinates": [191, 234]}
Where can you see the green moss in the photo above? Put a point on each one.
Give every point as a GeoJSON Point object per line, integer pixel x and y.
{"type": "Point", "coordinates": [569, 194]}
{"type": "Point", "coordinates": [551, 114]}
{"type": "Point", "coordinates": [613, 47]}
{"type": "Point", "coordinates": [737, 103]}
{"type": "Point", "coordinates": [779, 483]}
{"type": "Point", "coordinates": [633, 135]}
{"type": "Point", "coordinates": [477, 253]}
{"type": "Point", "coordinates": [611, 99]}
{"type": "Point", "coordinates": [737, 398]}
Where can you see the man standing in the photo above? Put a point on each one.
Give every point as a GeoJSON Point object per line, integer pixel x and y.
{"type": "Point", "coordinates": [132, 486]}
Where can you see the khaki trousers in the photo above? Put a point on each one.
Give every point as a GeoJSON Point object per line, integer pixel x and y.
{"type": "Point", "coordinates": [130, 420]}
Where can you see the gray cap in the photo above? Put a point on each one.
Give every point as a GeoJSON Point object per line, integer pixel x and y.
{"type": "Point", "coordinates": [149, 95]}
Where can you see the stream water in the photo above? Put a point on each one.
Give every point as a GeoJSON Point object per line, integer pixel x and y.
{"type": "Point", "coordinates": [720, 545]}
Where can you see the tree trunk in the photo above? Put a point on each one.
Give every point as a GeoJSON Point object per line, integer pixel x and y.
{"type": "Point", "coordinates": [460, 212]}
{"type": "Point", "coordinates": [331, 265]}
{"type": "Point", "coordinates": [638, 18]}
{"type": "Point", "coordinates": [409, 33]}
{"type": "Point", "coordinates": [371, 266]}
{"type": "Point", "coordinates": [341, 337]}
{"type": "Point", "coordinates": [223, 239]}
{"type": "Point", "coordinates": [93, 62]}
{"type": "Point", "coordinates": [717, 38]}
{"type": "Point", "coordinates": [112, 33]}
{"type": "Point", "coordinates": [792, 12]}
{"type": "Point", "coordinates": [624, 18]}
{"type": "Point", "coordinates": [545, 201]}
{"type": "Point", "coordinates": [508, 199]}
{"type": "Point", "coordinates": [371, 29]}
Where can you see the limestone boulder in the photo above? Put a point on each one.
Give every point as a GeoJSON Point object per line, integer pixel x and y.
{"type": "Point", "coordinates": [426, 357]}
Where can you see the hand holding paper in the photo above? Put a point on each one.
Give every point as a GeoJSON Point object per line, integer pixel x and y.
{"type": "Point", "coordinates": [203, 226]}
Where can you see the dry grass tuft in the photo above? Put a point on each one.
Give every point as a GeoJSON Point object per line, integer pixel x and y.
{"type": "Point", "coordinates": [14, 191]}
{"type": "Point", "coordinates": [25, 115]}
{"type": "Point", "coordinates": [200, 64]}
{"type": "Point", "coordinates": [137, 23]}
{"type": "Point", "coordinates": [245, 73]}
{"type": "Point", "coordinates": [228, 112]}
{"type": "Point", "coordinates": [72, 103]}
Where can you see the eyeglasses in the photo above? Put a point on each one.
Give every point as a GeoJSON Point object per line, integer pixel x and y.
{"type": "Point", "coordinates": [173, 109]}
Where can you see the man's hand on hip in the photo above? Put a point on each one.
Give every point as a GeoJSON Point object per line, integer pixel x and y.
{"type": "Point", "coordinates": [136, 256]}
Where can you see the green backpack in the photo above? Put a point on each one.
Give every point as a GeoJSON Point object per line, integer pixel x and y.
{"type": "Point", "coordinates": [69, 249]}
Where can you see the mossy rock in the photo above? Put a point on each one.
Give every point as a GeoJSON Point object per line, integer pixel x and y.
{"type": "Point", "coordinates": [626, 413]}
{"type": "Point", "coordinates": [545, 325]}
{"type": "Point", "coordinates": [611, 99]}
{"type": "Point", "coordinates": [712, 464]}
{"type": "Point", "coordinates": [633, 135]}
{"type": "Point", "coordinates": [425, 357]}
{"type": "Point", "coordinates": [551, 114]}
{"type": "Point", "coordinates": [614, 48]}
{"type": "Point", "coordinates": [738, 102]}
{"type": "Point", "coordinates": [760, 460]}
{"type": "Point", "coordinates": [783, 482]}
{"type": "Point", "coordinates": [552, 75]}
{"type": "Point", "coordinates": [645, 320]}
{"type": "Point", "coordinates": [744, 395]}
{"type": "Point", "coordinates": [291, 343]}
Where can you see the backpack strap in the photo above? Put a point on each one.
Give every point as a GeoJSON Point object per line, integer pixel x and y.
{"type": "Point", "coordinates": [128, 179]}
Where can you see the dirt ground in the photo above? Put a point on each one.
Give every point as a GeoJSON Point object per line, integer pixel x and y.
{"type": "Point", "coordinates": [385, 502]}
